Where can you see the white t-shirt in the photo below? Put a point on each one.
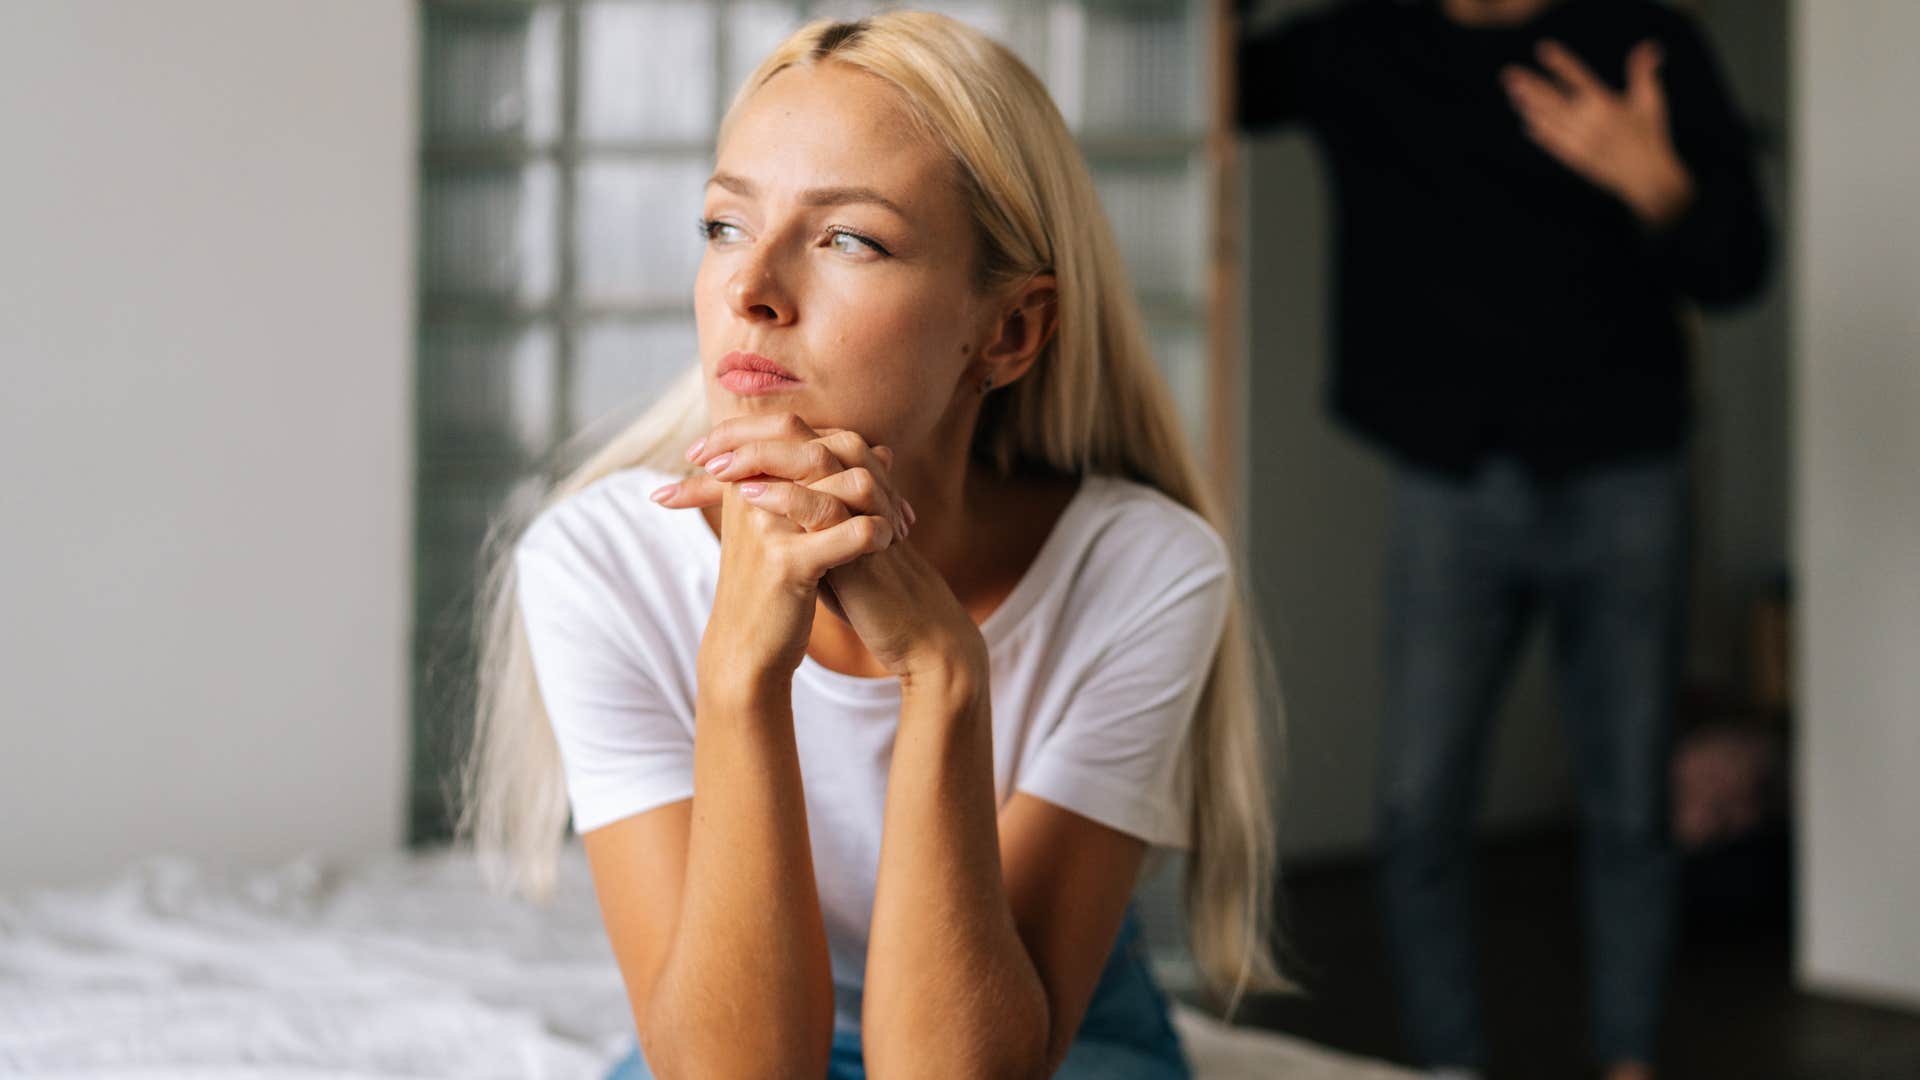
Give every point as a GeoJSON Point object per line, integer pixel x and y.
{"type": "Point", "coordinates": [1098, 658]}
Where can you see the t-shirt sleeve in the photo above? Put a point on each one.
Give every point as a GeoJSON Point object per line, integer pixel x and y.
{"type": "Point", "coordinates": [1115, 754]}
{"type": "Point", "coordinates": [623, 749]}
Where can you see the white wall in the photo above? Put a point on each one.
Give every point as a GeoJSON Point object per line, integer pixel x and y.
{"type": "Point", "coordinates": [205, 456]}
{"type": "Point", "coordinates": [1857, 479]}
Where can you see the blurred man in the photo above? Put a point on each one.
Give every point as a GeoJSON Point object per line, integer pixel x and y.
{"type": "Point", "coordinates": [1525, 192]}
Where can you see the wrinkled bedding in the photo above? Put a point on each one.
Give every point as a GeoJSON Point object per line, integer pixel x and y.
{"type": "Point", "coordinates": [400, 966]}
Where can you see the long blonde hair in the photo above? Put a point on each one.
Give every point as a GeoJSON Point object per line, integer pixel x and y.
{"type": "Point", "coordinates": [1094, 403]}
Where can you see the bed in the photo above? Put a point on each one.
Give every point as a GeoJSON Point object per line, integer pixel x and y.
{"type": "Point", "coordinates": [397, 966]}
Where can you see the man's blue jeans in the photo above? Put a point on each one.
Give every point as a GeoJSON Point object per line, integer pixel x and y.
{"type": "Point", "coordinates": [1603, 555]}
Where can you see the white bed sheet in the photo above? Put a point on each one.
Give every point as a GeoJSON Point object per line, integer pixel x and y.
{"type": "Point", "coordinates": [401, 966]}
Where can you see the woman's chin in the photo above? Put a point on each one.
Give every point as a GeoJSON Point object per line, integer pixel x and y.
{"type": "Point", "coordinates": [810, 414]}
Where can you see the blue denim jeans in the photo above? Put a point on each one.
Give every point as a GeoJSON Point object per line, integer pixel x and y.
{"type": "Point", "coordinates": [1127, 1033]}
{"type": "Point", "coordinates": [1602, 554]}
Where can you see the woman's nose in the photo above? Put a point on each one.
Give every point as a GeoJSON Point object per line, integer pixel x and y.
{"type": "Point", "coordinates": [757, 293]}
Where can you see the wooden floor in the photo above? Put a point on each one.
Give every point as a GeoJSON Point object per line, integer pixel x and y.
{"type": "Point", "coordinates": [1733, 1012]}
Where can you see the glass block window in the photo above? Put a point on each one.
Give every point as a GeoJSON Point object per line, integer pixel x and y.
{"type": "Point", "coordinates": [564, 147]}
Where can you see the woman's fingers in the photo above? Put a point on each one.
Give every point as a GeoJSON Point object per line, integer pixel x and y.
{"type": "Point", "coordinates": [845, 542]}
{"type": "Point", "coordinates": [729, 434]}
{"type": "Point", "coordinates": [853, 452]}
{"type": "Point", "coordinates": [855, 487]}
{"type": "Point", "coordinates": [831, 535]}
{"type": "Point", "coordinates": [802, 462]}
{"type": "Point", "coordinates": [783, 446]}
{"type": "Point", "coordinates": [821, 505]}
{"type": "Point", "coordinates": [694, 491]}
{"type": "Point", "coordinates": [813, 511]}
{"type": "Point", "coordinates": [701, 488]}
{"type": "Point", "coordinates": [863, 492]}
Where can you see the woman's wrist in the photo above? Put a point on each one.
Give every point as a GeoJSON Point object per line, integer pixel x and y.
{"type": "Point", "coordinates": [727, 677]}
{"type": "Point", "coordinates": [954, 680]}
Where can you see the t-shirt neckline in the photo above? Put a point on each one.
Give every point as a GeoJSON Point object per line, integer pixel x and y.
{"type": "Point", "coordinates": [999, 624]}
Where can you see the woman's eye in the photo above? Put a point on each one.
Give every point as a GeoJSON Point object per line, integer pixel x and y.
{"type": "Point", "coordinates": [719, 231]}
{"type": "Point", "coordinates": [854, 244]}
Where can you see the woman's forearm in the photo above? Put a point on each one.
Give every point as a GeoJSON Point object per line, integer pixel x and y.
{"type": "Point", "coordinates": [747, 986]}
{"type": "Point", "coordinates": [950, 989]}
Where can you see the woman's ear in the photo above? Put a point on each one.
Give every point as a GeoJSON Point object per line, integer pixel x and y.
{"type": "Point", "coordinates": [1027, 322]}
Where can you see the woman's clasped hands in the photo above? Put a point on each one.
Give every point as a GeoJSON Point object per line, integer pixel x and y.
{"type": "Point", "coordinates": [801, 511]}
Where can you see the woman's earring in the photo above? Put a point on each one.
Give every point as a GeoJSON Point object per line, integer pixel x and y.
{"type": "Point", "coordinates": [987, 385]}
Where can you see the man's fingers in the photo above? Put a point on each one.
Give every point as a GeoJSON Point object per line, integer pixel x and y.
{"type": "Point", "coordinates": [1644, 61]}
{"type": "Point", "coordinates": [1532, 94]}
{"type": "Point", "coordinates": [1556, 140]}
{"type": "Point", "coordinates": [1573, 74]}
{"type": "Point", "coordinates": [1643, 79]}
{"type": "Point", "coordinates": [1547, 116]}
{"type": "Point", "coordinates": [1538, 114]}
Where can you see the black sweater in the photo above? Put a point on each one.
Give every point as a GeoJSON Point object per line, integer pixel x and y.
{"type": "Point", "coordinates": [1488, 298]}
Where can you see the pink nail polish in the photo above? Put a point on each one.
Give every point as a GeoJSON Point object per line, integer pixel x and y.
{"type": "Point", "coordinates": [753, 489]}
{"type": "Point", "coordinates": [719, 464]}
{"type": "Point", "coordinates": [694, 450]}
{"type": "Point", "coordinates": [664, 492]}
{"type": "Point", "coordinates": [912, 518]}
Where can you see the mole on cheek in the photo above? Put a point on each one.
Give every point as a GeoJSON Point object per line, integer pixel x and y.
{"type": "Point", "coordinates": [965, 349]}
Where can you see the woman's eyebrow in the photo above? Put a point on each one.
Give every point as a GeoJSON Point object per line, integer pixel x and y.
{"type": "Point", "coordinates": [827, 196]}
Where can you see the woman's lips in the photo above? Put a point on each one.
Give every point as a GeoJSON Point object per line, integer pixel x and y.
{"type": "Point", "coordinates": [743, 381]}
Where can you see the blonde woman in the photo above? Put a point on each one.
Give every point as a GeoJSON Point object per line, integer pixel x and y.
{"type": "Point", "coordinates": [873, 661]}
